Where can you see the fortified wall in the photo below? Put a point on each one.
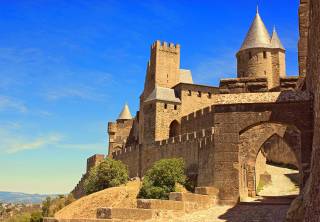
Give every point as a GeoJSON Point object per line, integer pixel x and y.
{"type": "Point", "coordinates": [309, 60]}
{"type": "Point", "coordinates": [219, 131]}
{"type": "Point", "coordinates": [92, 161]}
{"type": "Point", "coordinates": [195, 148]}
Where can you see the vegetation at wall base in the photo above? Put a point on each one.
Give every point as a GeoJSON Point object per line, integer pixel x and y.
{"type": "Point", "coordinates": [162, 178]}
{"type": "Point", "coordinates": [109, 173]}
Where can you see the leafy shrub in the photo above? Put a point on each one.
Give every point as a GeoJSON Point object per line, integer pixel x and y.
{"type": "Point", "coordinates": [162, 178]}
{"type": "Point", "coordinates": [36, 217]}
{"type": "Point", "coordinates": [52, 205]}
{"type": "Point", "coordinates": [109, 173]}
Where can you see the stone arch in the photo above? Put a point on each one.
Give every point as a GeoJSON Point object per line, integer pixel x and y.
{"type": "Point", "coordinates": [250, 142]}
{"type": "Point", "coordinates": [174, 128]}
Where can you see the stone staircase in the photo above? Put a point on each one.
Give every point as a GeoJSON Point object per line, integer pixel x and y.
{"type": "Point", "coordinates": [148, 209]}
{"type": "Point", "coordinates": [177, 205]}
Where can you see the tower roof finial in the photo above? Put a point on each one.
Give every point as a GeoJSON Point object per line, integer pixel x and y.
{"type": "Point", "coordinates": [257, 9]}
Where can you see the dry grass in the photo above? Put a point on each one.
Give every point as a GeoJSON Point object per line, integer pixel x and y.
{"type": "Point", "coordinates": [86, 207]}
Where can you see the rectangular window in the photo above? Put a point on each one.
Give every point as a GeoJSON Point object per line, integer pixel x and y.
{"type": "Point", "coordinates": [189, 93]}
{"type": "Point", "coordinates": [165, 106]}
{"type": "Point", "coordinates": [264, 54]}
{"type": "Point", "coordinates": [250, 55]}
{"type": "Point", "coordinates": [175, 107]}
{"type": "Point", "coordinates": [209, 95]}
{"type": "Point", "coordinates": [199, 94]}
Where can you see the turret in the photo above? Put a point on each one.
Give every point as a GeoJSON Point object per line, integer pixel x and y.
{"type": "Point", "coordinates": [125, 113]}
{"type": "Point", "coordinates": [279, 54]}
{"type": "Point", "coordinates": [119, 131]}
{"type": "Point", "coordinates": [260, 55]}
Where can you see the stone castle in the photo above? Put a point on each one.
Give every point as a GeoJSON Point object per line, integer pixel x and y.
{"type": "Point", "coordinates": [225, 134]}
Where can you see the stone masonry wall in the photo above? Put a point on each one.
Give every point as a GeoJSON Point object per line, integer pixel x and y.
{"type": "Point", "coordinates": [303, 41]}
{"type": "Point", "coordinates": [257, 65]}
{"type": "Point", "coordinates": [230, 121]}
{"type": "Point", "coordinates": [119, 133]}
{"type": "Point", "coordinates": [166, 113]}
{"type": "Point", "coordinates": [195, 148]}
{"type": "Point", "coordinates": [92, 161]}
{"type": "Point", "coordinates": [313, 84]}
{"type": "Point", "coordinates": [278, 151]}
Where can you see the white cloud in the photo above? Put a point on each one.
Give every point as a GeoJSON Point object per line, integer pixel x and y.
{"type": "Point", "coordinates": [82, 146]}
{"type": "Point", "coordinates": [15, 146]}
{"type": "Point", "coordinates": [7, 103]}
{"type": "Point", "coordinates": [82, 93]}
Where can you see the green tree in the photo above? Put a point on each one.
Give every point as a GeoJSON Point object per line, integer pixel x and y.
{"type": "Point", "coordinates": [109, 173]}
{"type": "Point", "coordinates": [36, 217]}
{"type": "Point", "coordinates": [46, 207]}
{"type": "Point", "coordinates": [162, 178]}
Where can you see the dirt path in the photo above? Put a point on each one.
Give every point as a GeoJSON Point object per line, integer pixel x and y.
{"type": "Point", "coordinates": [248, 212]}
{"type": "Point", "coordinates": [281, 184]}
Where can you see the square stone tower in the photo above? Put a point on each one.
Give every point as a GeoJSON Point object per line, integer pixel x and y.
{"type": "Point", "coordinates": [158, 97]}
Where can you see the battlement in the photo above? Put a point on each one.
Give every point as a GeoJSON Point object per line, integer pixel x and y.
{"type": "Point", "coordinates": [165, 46]}
{"type": "Point", "coordinates": [125, 151]}
{"type": "Point", "coordinates": [196, 121]}
{"type": "Point", "coordinates": [196, 135]}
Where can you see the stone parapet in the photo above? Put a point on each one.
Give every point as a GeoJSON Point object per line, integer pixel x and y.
{"type": "Point", "coordinates": [243, 85]}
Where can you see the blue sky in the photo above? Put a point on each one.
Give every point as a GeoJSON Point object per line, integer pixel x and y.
{"type": "Point", "coordinates": [67, 68]}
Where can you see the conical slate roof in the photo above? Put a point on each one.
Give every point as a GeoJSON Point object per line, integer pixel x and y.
{"type": "Point", "coordinates": [275, 40]}
{"type": "Point", "coordinates": [257, 36]}
{"type": "Point", "coordinates": [125, 113]}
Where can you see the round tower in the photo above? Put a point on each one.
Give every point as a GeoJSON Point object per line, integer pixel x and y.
{"type": "Point", "coordinates": [260, 55]}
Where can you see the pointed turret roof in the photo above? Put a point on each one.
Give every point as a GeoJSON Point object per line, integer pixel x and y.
{"type": "Point", "coordinates": [257, 36]}
{"type": "Point", "coordinates": [275, 40]}
{"type": "Point", "coordinates": [125, 113]}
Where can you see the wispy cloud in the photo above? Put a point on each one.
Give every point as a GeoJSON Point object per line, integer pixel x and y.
{"type": "Point", "coordinates": [8, 103]}
{"type": "Point", "coordinates": [80, 92]}
{"type": "Point", "coordinates": [37, 143]}
{"type": "Point", "coordinates": [82, 146]}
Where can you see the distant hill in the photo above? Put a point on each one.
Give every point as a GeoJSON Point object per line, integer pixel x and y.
{"type": "Point", "coordinates": [16, 197]}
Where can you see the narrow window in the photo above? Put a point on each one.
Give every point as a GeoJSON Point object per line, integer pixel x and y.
{"type": "Point", "coordinates": [189, 93]}
{"type": "Point", "coordinates": [199, 94]}
{"type": "Point", "coordinates": [209, 95]}
{"type": "Point", "coordinates": [175, 107]}
{"type": "Point", "coordinates": [165, 106]}
{"type": "Point", "coordinates": [250, 55]}
{"type": "Point", "coordinates": [265, 73]}
{"type": "Point", "coordinates": [264, 54]}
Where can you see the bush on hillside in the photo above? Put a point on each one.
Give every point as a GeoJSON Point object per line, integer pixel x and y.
{"type": "Point", "coordinates": [36, 217]}
{"type": "Point", "coordinates": [162, 178]}
{"type": "Point", "coordinates": [52, 205]}
{"type": "Point", "coordinates": [109, 173]}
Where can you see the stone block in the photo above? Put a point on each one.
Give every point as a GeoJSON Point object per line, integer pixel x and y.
{"type": "Point", "coordinates": [125, 213]}
{"type": "Point", "coordinates": [189, 197]}
{"type": "Point", "coordinates": [211, 191]}
{"type": "Point", "coordinates": [160, 204]}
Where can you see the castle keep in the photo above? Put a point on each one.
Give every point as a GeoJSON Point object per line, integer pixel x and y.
{"type": "Point", "coordinates": [222, 132]}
